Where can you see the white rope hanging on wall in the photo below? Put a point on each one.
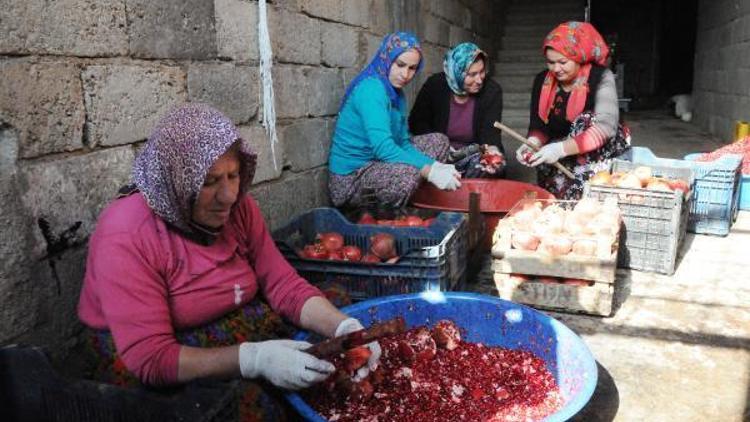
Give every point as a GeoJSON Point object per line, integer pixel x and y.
{"type": "Point", "coordinates": [268, 119]}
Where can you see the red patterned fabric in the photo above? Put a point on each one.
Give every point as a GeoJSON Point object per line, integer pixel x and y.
{"type": "Point", "coordinates": [582, 43]}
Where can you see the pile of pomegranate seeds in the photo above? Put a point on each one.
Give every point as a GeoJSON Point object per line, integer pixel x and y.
{"type": "Point", "coordinates": [429, 375]}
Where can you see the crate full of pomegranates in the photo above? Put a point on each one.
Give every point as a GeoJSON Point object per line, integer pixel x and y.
{"type": "Point", "coordinates": [655, 202]}
{"type": "Point", "coordinates": [559, 255]}
{"type": "Point", "coordinates": [369, 260]}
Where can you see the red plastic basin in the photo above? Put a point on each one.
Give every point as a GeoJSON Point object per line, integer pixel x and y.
{"type": "Point", "coordinates": [496, 197]}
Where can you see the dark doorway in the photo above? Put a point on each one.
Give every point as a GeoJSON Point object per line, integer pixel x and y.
{"type": "Point", "coordinates": [654, 41]}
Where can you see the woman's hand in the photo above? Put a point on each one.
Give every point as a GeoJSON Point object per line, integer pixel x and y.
{"type": "Point", "coordinates": [284, 363]}
{"type": "Point", "coordinates": [351, 325]}
{"type": "Point", "coordinates": [548, 154]}
{"type": "Point", "coordinates": [524, 152]}
{"type": "Point", "coordinates": [492, 159]}
{"type": "Point", "coordinates": [444, 176]}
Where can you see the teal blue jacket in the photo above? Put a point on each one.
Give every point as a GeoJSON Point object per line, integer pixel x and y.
{"type": "Point", "coordinates": [369, 128]}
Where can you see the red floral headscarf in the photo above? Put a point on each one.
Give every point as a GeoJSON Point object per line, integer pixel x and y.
{"type": "Point", "coordinates": [582, 43]}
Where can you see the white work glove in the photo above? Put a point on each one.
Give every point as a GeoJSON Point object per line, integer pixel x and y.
{"type": "Point", "coordinates": [550, 153]}
{"type": "Point", "coordinates": [351, 325]}
{"type": "Point", "coordinates": [524, 150]}
{"type": "Point", "coordinates": [283, 363]}
{"type": "Point", "coordinates": [444, 176]}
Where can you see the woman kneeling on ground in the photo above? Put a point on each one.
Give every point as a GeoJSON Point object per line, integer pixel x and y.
{"type": "Point", "coordinates": [372, 151]}
{"type": "Point", "coordinates": [463, 104]}
{"type": "Point", "coordinates": [177, 265]}
{"type": "Point", "coordinates": [574, 111]}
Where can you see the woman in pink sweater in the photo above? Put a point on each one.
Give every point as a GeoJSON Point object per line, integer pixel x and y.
{"type": "Point", "coordinates": [177, 262]}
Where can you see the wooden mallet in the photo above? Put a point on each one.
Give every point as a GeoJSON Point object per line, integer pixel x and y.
{"type": "Point", "coordinates": [533, 147]}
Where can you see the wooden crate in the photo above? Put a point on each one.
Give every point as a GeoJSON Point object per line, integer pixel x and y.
{"type": "Point", "coordinates": [597, 299]}
{"type": "Point", "coordinates": [600, 269]}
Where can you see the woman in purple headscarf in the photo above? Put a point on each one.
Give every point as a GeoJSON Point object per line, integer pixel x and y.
{"type": "Point", "coordinates": [372, 150]}
{"type": "Point", "coordinates": [176, 265]}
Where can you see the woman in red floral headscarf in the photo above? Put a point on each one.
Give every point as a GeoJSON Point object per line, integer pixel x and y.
{"type": "Point", "coordinates": [574, 112]}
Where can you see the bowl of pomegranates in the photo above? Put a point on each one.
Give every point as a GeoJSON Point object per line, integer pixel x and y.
{"type": "Point", "coordinates": [456, 356]}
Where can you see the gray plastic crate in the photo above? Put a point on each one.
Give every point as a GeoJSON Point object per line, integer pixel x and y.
{"type": "Point", "coordinates": [655, 222]}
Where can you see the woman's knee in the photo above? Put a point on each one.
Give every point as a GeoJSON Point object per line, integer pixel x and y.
{"type": "Point", "coordinates": [435, 145]}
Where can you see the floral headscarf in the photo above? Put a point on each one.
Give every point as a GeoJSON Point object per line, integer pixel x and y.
{"type": "Point", "coordinates": [582, 43]}
{"type": "Point", "coordinates": [380, 65]}
{"type": "Point", "coordinates": [171, 168]}
{"type": "Point", "coordinates": [457, 62]}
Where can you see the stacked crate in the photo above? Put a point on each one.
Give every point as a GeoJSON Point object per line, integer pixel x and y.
{"type": "Point", "coordinates": [654, 221]}
{"type": "Point", "coordinates": [523, 276]}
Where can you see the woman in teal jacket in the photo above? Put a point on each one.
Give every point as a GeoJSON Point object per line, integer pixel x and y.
{"type": "Point", "coordinates": [372, 150]}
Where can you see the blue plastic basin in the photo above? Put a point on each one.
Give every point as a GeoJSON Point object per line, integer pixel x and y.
{"type": "Point", "coordinates": [494, 322]}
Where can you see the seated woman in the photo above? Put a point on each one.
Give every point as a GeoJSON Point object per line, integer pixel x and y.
{"type": "Point", "coordinates": [461, 103]}
{"type": "Point", "coordinates": [372, 151]}
{"type": "Point", "coordinates": [177, 262]}
{"type": "Point", "coordinates": [574, 111]}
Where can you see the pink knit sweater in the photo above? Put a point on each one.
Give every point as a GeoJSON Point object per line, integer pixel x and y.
{"type": "Point", "coordinates": [144, 280]}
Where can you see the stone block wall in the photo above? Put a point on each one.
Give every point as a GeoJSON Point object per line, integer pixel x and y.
{"type": "Point", "coordinates": [84, 81]}
{"type": "Point", "coordinates": [721, 86]}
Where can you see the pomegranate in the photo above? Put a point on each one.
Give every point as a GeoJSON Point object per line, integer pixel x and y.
{"type": "Point", "coordinates": [336, 255]}
{"type": "Point", "coordinates": [492, 160]}
{"type": "Point", "coordinates": [629, 181]}
{"type": "Point", "coordinates": [332, 241]}
{"type": "Point", "coordinates": [356, 358]}
{"type": "Point", "coordinates": [587, 208]}
{"type": "Point", "coordinates": [315, 251]}
{"type": "Point", "coordinates": [615, 177]}
{"type": "Point", "coordinates": [547, 280]}
{"type": "Point", "coordinates": [366, 218]}
{"type": "Point", "coordinates": [413, 221]}
{"type": "Point", "coordinates": [446, 334]}
{"type": "Point", "coordinates": [586, 247]}
{"type": "Point", "coordinates": [351, 253]}
{"type": "Point", "coordinates": [643, 173]}
{"type": "Point", "coordinates": [524, 241]}
{"type": "Point", "coordinates": [577, 282]}
{"type": "Point", "coordinates": [658, 184]}
{"type": "Point", "coordinates": [679, 185]}
{"type": "Point", "coordinates": [601, 178]}
{"type": "Point", "coordinates": [418, 345]}
{"type": "Point", "coordinates": [371, 258]}
{"type": "Point", "coordinates": [520, 278]}
{"type": "Point", "coordinates": [527, 216]}
{"type": "Point", "coordinates": [550, 222]}
{"type": "Point", "coordinates": [556, 245]}
{"type": "Point", "coordinates": [383, 245]}
{"type": "Point", "coordinates": [574, 224]}
{"type": "Point", "coordinates": [603, 224]}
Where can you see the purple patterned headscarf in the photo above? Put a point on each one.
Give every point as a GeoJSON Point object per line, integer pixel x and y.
{"type": "Point", "coordinates": [171, 168]}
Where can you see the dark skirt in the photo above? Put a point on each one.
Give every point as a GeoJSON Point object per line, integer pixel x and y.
{"type": "Point", "coordinates": [583, 166]}
{"type": "Point", "coordinates": [391, 184]}
{"type": "Point", "coordinates": [258, 400]}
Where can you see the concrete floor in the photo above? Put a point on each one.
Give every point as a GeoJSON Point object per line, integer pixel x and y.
{"type": "Point", "coordinates": [678, 347]}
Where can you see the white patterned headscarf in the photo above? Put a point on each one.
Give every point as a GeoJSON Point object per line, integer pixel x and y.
{"type": "Point", "coordinates": [171, 168]}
